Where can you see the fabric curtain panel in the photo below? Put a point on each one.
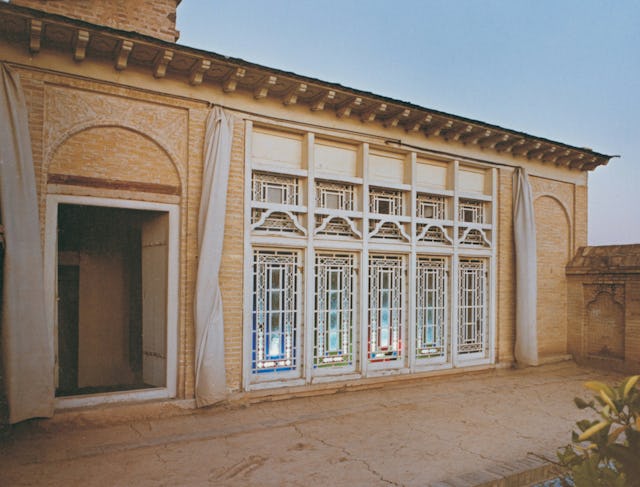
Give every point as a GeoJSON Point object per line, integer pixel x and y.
{"type": "Point", "coordinates": [524, 229]}
{"type": "Point", "coordinates": [209, 322]}
{"type": "Point", "coordinates": [27, 333]}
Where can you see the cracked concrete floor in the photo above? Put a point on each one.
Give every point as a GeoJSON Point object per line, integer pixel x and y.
{"type": "Point", "coordinates": [406, 434]}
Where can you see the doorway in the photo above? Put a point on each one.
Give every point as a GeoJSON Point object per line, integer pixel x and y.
{"type": "Point", "coordinates": [114, 306]}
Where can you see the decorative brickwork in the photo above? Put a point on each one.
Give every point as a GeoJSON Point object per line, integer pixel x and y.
{"type": "Point", "coordinates": [604, 306]}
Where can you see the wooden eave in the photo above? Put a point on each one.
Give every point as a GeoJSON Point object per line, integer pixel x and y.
{"type": "Point", "coordinates": [81, 40]}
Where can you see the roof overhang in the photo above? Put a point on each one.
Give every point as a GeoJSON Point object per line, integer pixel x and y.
{"type": "Point", "coordinates": [83, 40]}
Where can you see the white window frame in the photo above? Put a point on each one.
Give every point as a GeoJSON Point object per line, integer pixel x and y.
{"type": "Point", "coordinates": [363, 242]}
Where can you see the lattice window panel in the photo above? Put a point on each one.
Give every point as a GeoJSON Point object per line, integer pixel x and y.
{"type": "Point", "coordinates": [432, 235]}
{"type": "Point", "coordinates": [337, 226]}
{"type": "Point", "coordinates": [334, 310]}
{"type": "Point", "coordinates": [277, 221]}
{"type": "Point", "coordinates": [431, 304]}
{"type": "Point", "coordinates": [387, 231]}
{"type": "Point", "coordinates": [471, 211]}
{"type": "Point", "coordinates": [472, 303]}
{"type": "Point", "coordinates": [275, 311]}
{"type": "Point", "coordinates": [272, 188]}
{"type": "Point", "coordinates": [431, 206]}
{"type": "Point", "coordinates": [474, 237]}
{"type": "Point", "coordinates": [386, 303]}
{"type": "Point", "coordinates": [335, 196]}
{"type": "Point", "coordinates": [385, 201]}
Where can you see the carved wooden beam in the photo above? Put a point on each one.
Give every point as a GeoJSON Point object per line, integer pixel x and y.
{"type": "Point", "coordinates": [491, 141]}
{"type": "Point", "coordinates": [291, 97]}
{"type": "Point", "coordinates": [196, 75]}
{"type": "Point", "coordinates": [553, 157]}
{"type": "Point", "coordinates": [262, 88]}
{"type": "Point", "coordinates": [564, 158]}
{"type": "Point", "coordinates": [369, 114]}
{"type": "Point", "coordinates": [320, 101]}
{"type": "Point", "coordinates": [539, 152]}
{"type": "Point", "coordinates": [549, 155]}
{"type": "Point", "coordinates": [436, 127]}
{"type": "Point", "coordinates": [474, 136]}
{"type": "Point", "coordinates": [509, 144]}
{"type": "Point", "coordinates": [344, 108]}
{"type": "Point", "coordinates": [122, 54]}
{"type": "Point", "coordinates": [35, 35]}
{"type": "Point", "coordinates": [80, 41]}
{"type": "Point", "coordinates": [230, 81]}
{"type": "Point", "coordinates": [414, 124]}
{"type": "Point", "coordinates": [577, 162]}
{"type": "Point", "coordinates": [455, 132]}
{"type": "Point", "coordinates": [522, 149]}
{"type": "Point", "coordinates": [393, 120]}
{"type": "Point", "coordinates": [161, 62]}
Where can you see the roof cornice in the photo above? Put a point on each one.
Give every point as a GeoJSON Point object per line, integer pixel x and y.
{"type": "Point", "coordinates": [83, 40]}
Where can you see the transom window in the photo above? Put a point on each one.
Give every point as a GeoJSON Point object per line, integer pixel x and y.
{"type": "Point", "coordinates": [385, 202]}
{"type": "Point", "coordinates": [271, 188]}
{"type": "Point", "coordinates": [470, 211]}
{"type": "Point", "coordinates": [334, 196]}
{"type": "Point", "coordinates": [430, 206]}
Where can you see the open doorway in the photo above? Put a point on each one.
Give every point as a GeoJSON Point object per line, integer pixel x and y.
{"type": "Point", "coordinates": [112, 291]}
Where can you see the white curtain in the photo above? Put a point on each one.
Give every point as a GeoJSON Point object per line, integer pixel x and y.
{"type": "Point", "coordinates": [27, 335]}
{"type": "Point", "coordinates": [210, 369]}
{"type": "Point", "coordinates": [524, 230]}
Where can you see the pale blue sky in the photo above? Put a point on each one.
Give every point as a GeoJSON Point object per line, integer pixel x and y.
{"type": "Point", "coordinates": [567, 70]}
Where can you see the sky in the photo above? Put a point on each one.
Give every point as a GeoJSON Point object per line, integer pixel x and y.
{"type": "Point", "coordinates": [566, 70]}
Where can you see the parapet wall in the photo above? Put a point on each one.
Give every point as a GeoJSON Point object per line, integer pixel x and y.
{"type": "Point", "coordinates": [603, 287]}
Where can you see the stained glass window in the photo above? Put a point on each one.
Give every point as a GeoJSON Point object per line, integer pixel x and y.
{"type": "Point", "coordinates": [334, 309]}
{"type": "Point", "coordinates": [275, 311]}
{"type": "Point", "coordinates": [386, 306]}
{"type": "Point", "coordinates": [431, 304]}
{"type": "Point", "coordinates": [472, 300]}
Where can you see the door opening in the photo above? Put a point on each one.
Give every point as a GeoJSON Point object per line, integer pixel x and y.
{"type": "Point", "coordinates": [112, 299]}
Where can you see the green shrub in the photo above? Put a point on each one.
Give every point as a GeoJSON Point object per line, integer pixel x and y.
{"type": "Point", "coordinates": [606, 451]}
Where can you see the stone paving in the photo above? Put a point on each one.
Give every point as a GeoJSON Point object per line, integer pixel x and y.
{"type": "Point", "coordinates": [462, 430]}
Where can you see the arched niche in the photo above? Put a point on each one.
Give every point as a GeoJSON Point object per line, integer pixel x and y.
{"type": "Point", "coordinates": [116, 157]}
{"type": "Point", "coordinates": [553, 242]}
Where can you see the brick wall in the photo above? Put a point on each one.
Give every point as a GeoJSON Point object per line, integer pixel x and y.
{"type": "Point", "coordinates": [156, 18]}
{"type": "Point", "coordinates": [604, 306]}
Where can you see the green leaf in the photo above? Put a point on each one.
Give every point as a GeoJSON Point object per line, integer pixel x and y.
{"type": "Point", "coordinates": [589, 432]}
{"type": "Point", "coordinates": [629, 384]}
{"type": "Point", "coordinates": [599, 386]}
{"type": "Point", "coordinates": [580, 403]}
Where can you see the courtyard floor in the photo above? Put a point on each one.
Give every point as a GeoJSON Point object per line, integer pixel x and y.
{"type": "Point", "coordinates": [460, 431]}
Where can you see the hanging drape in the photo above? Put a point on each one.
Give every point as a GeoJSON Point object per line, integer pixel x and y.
{"type": "Point", "coordinates": [209, 323]}
{"type": "Point", "coordinates": [524, 230]}
{"type": "Point", "coordinates": [27, 335]}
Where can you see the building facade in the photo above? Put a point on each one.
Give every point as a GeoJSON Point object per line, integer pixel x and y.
{"type": "Point", "coordinates": [365, 239]}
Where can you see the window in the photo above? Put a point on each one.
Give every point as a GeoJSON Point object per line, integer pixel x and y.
{"type": "Point", "coordinates": [431, 304]}
{"type": "Point", "coordinates": [334, 196]}
{"type": "Point", "coordinates": [418, 233]}
{"type": "Point", "coordinates": [271, 188]}
{"type": "Point", "coordinates": [385, 202]}
{"type": "Point", "coordinates": [334, 309]}
{"type": "Point", "coordinates": [470, 211]}
{"type": "Point", "coordinates": [275, 311]}
{"type": "Point", "coordinates": [386, 306]}
{"type": "Point", "coordinates": [472, 300]}
{"type": "Point", "coordinates": [430, 206]}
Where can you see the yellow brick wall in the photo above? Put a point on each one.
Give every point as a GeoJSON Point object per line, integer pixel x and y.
{"type": "Point", "coordinates": [505, 319]}
{"type": "Point", "coordinates": [156, 18]}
